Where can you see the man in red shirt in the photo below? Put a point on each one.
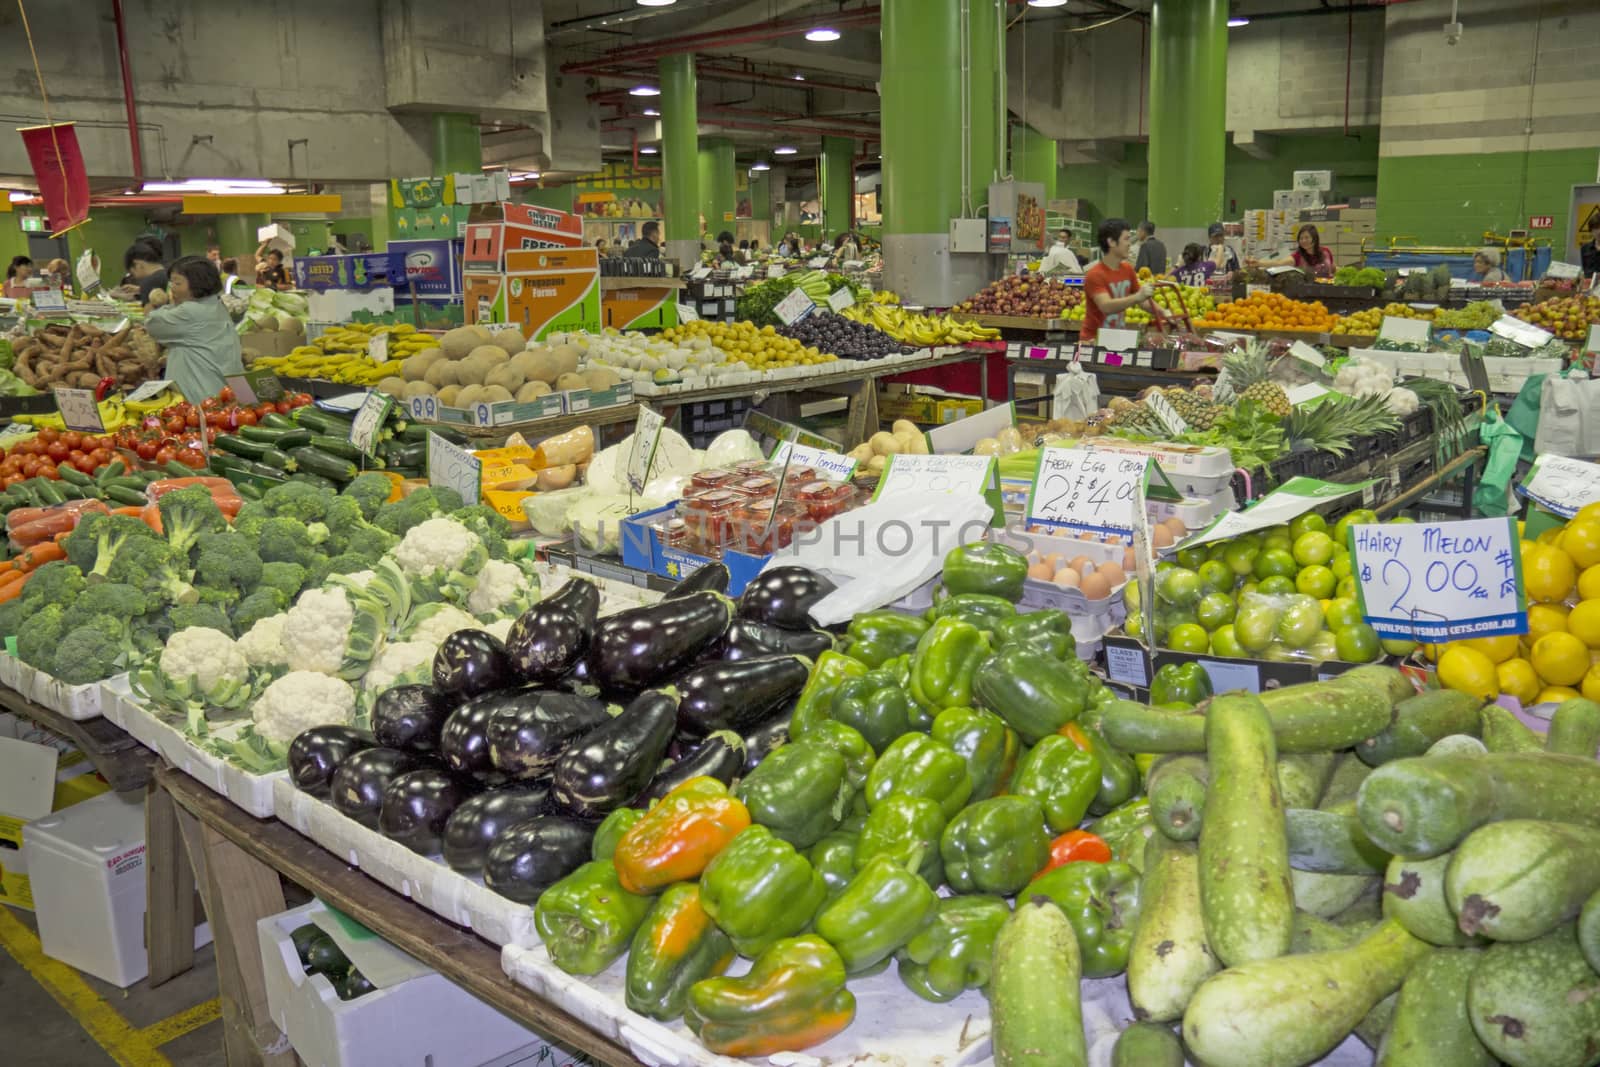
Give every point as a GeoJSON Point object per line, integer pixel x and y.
{"type": "Point", "coordinates": [1111, 286]}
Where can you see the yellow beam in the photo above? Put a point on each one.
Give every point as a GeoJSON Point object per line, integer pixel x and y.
{"type": "Point", "coordinates": [214, 204]}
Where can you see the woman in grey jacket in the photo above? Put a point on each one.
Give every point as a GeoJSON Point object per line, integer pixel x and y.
{"type": "Point", "coordinates": [201, 344]}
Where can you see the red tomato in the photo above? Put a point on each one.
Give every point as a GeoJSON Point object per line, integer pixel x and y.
{"type": "Point", "coordinates": [49, 433]}
{"type": "Point", "coordinates": [30, 467]}
{"type": "Point", "coordinates": [191, 419]}
{"type": "Point", "coordinates": [164, 454]}
{"type": "Point", "coordinates": [47, 471]}
{"type": "Point", "coordinates": [74, 456]}
{"type": "Point", "coordinates": [147, 449]}
{"type": "Point", "coordinates": [100, 457]}
{"type": "Point", "coordinates": [282, 407]}
{"type": "Point", "coordinates": [11, 479]}
{"type": "Point", "coordinates": [247, 417]}
{"type": "Point", "coordinates": [192, 457]}
{"type": "Point", "coordinates": [57, 450]}
{"type": "Point", "coordinates": [227, 394]}
{"type": "Point", "coordinates": [73, 439]}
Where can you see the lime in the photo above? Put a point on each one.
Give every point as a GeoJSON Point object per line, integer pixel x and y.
{"type": "Point", "coordinates": [1275, 561]}
{"type": "Point", "coordinates": [1225, 643]}
{"type": "Point", "coordinates": [1306, 523]}
{"type": "Point", "coordinates": [1401, 520]}
{"type": "Point", "coordinates": [1341, 566]}
{"type": "Point", "coordinates": [1313, 547]}
{"type": "Point", "coordinates": [1316, 580]}
{"type": "Point", "coordinates": [1191, 557]}
{"type": "Point", "coordinates": [1276, 585]}
{"type": "Point", "coordinates": [1248, 588]}
{"type": "Point", "coordinates": [1214, 610]}
{"type": "Point", "coordinates": [1216, 550]}
{"type": "Point", "coordinates": [1357, 643]}
{"type": "Point", "coordinates": [1255, 625]}
{"type": "Point", "coordinates": [1397, 646]}
{"type": "Point", "coordinates": [1323, 648]}
{"type": "Point", "coordinates": [1241, 558]}
{"type": "Point", "coordinates": [1359, 517]}
{"type": "Point", "coordinates": [1130, 598]}
{"type": "Point", "coordinates": [1346, 587]}
{"type": "Point", "coordinates": [1134, 626]}
{"type": "Point", "coordinates": [1189, 637]}
{"type": "Point", "coordinates": [1216, 577]}
{"type": "Point", "coordinates": [1279, 541]}
{"type": "Point", "coordinates": [1251, 539]}
{"type": "Point", "coordinates": [1179, 586]}
{"type": "Point", "coordinates": [1341, 613]}
{"type": "Point", "coordinates": [1300, 624]}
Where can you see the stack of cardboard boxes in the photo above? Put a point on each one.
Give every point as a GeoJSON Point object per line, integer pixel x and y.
{"type": "Point", "coordinates": [1343, 228]}
{"type": "Point", "coordinates": [1268, 234]}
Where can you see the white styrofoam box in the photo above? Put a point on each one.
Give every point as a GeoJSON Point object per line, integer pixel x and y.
{"type": "Point", "coordinates": [429, 881]}
{"type": "Point", "coordinates": [1194, 470]}
{"type": "Point", "coordinates": [1195, 511]}
{"type": "Point", "coordinates": [1507, 374]}
{"type": "Point", "coordinates": [75, 702]}
{"type": "Point", "coordinates": [9, 670]}
{"type": "Point", "coordinates": [424, 1022]}
{"type": "Point", "coordinates": [86, 863]}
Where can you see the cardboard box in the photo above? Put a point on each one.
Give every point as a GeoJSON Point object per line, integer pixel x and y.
{"type": "Point", "coordinates": [1320, 180]}
{"type": "Point", "coordinates": [542, 292]}
{"type": "Point", "coordinates": [579, 400]}
{"type": "Point", "coordinates": [342, 305]}
{"type": "Point", "coordinates": [492, 232]}
{"type": "Point", "coordinates": [642, 550]}
{"type": "Point", "coordinates": [641, 307]}
{"type": "Point", "coordinates": [362, 271]}
{"type": "Point", "coordinates": [916, 407]}
{"type": "Point", "coordinates": [268, 344]}
{"type": "Point", "coordinates": [502, 414]}
{"type": "Point", "coordinates": [76, 780]}
{"type": "Point", "coordinates": [431, 268]}
{"type": "Point", "coordinates": [955, 409]}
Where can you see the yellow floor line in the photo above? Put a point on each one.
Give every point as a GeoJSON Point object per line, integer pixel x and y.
{"type": "Point", "coordinates": [175, 1026]}
{"type": "Point", "coordinates": [128, 1046]}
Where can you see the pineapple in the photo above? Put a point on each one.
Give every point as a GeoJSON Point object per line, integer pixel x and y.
{"type": "Point", "coordinates": [1333, 425]}
{"type": "Point", "coordinates": [1199, 412]}
{"type": "Point", "coordinates": [1248, 374]}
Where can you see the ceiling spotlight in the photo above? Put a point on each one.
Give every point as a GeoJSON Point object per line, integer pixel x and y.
{"type": "Point", "coordinates": [644, 90]}
{"type": "Point", "coordinates": [1238, 22]}
{"type": "Point", "coordinates": [648, 150]}
{"type": "Point", "coordinates": [1047, 3]}
{"type": "Point", "coordinates": [655, 3]}
{"type": "Point", "coordinates": [652, 112]}
{"type": "Point", "coordinates": [785, 150]}
{"type": "Point", "coordinates": [822, 34]}
{"type": "Point", "coordinates": [760, 164]}
{"type": "Point", "coordinates": [799, 77]}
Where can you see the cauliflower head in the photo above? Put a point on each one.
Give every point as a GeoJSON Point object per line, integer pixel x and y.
{"type": "Point", "coordinates": [397, 659]}
{"type": "Point", "coordinates": [435, 622]}
{"type": "Point", "coordinates": [501, 628]}
{"type": "Point", "coordinates": [440, 544]}
{"type": "Point", "coordinates": [502, 588]}
{"type": "Point", "coordinates": [199, 666]}
{"type": "Point", "coordinates": [300, 700]}
{"type": "Point", "coordinates": [262, 644]}
{"type": "Point", "coordinates": [334, 631]}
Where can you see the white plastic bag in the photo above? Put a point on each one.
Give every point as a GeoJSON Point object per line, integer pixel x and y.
{"type": "Point", "coordinates": [1076, 395]}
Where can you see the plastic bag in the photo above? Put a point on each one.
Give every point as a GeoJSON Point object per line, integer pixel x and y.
{"type": "Point", "coordinates": [1569, 417]}
{"type": "Point", "coordinates": [1076, 395]}
{"type": "Point", "coordinates": [88, 272]}
{"type": "Point", "coordinates": [1493, 496]}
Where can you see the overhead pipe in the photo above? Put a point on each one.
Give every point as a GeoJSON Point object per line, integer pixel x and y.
{"type": "Point", "coordinates": [135, 151]}
{"type": "Point", "coordinates": [767, 127]}
{"type": "Point", "coordinates": [854, 129]}
{"type": "Point", "coordinates": [753, 33]}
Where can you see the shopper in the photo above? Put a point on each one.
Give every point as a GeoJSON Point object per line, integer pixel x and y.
{"type": "Point", "coordinates": [1061, 257]}
{"type": "Point", "coordinates": [1196, 268]}
{"type": "Point", "coordinates": [755, 247]}
{"type": "Point", "coordinates": [201, 342]}
{"type": "Point", "coordinates": [1111, 286]}
{"type": "Point", "coordinates": [276, 275]}
{"type": "Point", "coordinates": [1589, 255]}
{"type": "Point", "coordinates": [1220, 252]}
{"type": "Point", "coordinates": [648, 246]}
{"type": "Point", "coordinates": [1486, 265]}
{"type": "Point", "coordinates": [230, 274]}
{"type": "Point", "coordinates": [725, 256]}
{"type": "Point", "coordinates": [143, 263]}
{"type": "Point", "coordinates": [845, 247]}
{"type": "Point", "coordinates": [17, 275]}
{"type": "Point", "coordinates": [600, 247]}
{"type": "Point", "coordinates": [1309, 255]}
{"type": "Point", "coordinates": [1152, 252]}
{"type": "Point", "coordinates": [214, 254]}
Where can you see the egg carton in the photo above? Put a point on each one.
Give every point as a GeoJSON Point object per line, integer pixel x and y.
{"type": "Point", "coordinates": [1045, 593]}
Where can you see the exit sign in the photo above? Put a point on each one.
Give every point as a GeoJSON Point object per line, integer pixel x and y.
{"type": "Point", "coordinates": [1541, 222]}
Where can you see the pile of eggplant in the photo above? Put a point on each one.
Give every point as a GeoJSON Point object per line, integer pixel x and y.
{"type": "Point", "coordinates": [510, 760]}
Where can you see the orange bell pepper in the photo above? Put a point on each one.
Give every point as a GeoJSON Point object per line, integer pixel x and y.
{"type": "Point", "coordinates": [679, 836]}
{"type": "Point", "coordinates": [1076, 846]}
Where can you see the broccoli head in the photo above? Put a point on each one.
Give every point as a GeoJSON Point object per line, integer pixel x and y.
{"type": "Point", "coordinates": [187, 513]}
{"type": "Point", "coordinates": [490, 526]}
{"type": "Point", "coordinates": [36, 644]}
{"type": "Point", "coordinates": [447, 500]}
{"type": "Point", "coordinates": [264, 603]}
{"type": "Point", "coordinates": [57, 582]}
{"type": "Point", "coordinates": [345, 563]}
{"type": "Point", "coordinates": [399, 516]}
{"type": "Point", "coordinates": [285, 540]}
{"type": "Point", "coordinates": [111, 600]}
{"type": "Point", "coordinates": [370, 491]}
{"type": "Point", "coordinates": [156, 568]}
{"type": "Point", "coordinates": [88, 654]}
{"type": "Point", "coordinates": [13, 613]}
{"type": "Point", "coordinates": [369, 542]}
{"type": "Point", "coordinates": [188, 616]}
{"type": "Point", "coordinates": [226, 561]}
{"type": "Point", "coordinates": [296, 500]}
{"type": "Point", "coordinates": [94, 543]}
{"type": "Point", "coordinates": [248, 519]}
{"type": "Point", "coordinates": [286, 578]}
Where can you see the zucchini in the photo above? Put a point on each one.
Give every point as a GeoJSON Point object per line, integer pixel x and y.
{"type": "Point", "coordinates": [1331, 842]}
{"type": "Point", "coordinates": [280, 439]}
{"type": "Point", "coordinates": [248, 490]}
{"type": "Point", "coordinates": [175, 469]}
{"type": "Point", "coordinates": [1177, 790]}
{"type": "Point", "coordinates": [338, 446]}
{"type": "Point", "coordinates": [1169, 957]}
{"type": "Point", "coordinates": [406, 454]}
{"type": "Point", "coordinates": [1035, 1003]}
{"type": "Point", "coordinates": [1147, 1045]}
{"type": "Point", "coordinates": [313, 461]}
{"type": "Point", "coordinates": [50, 492]}
{"type": "Point", "coordinates": [275, 421]}
{"type": "Point", "coordinates": [1536, 1003]}
{"type": "Point", "coordinates": [1574, 728]}
{"type": "Point", "coordinates": [418, 431]}
{"type": "Point", "coordinates": [1504, 732]}
{"type": "Point", "coordinates": [1413, 896]}
{"type": "Point", "coordinates": [323, 422]}
{"type": "Point", "coordinates": [241, 446]}
{"type": "Point", "coordinates": [1431, 1025]}
{"type": "Point", "coordinates": [1419, 722]}
{"type": "Point", "coordinates": [1519, 879]}
{"type": "Point", "coordinates": [120, 496]}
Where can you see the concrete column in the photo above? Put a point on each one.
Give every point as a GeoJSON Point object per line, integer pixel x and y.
{"type": "Point", "coordinates": [717, 199]}
{"type": "Point", "coordinates": [457, 147]}
{"type": "Point", "coordinates": [760, 196]}
{"type": "Point", "coordinates": [940, 102]}
{"type": "Point", "coordinates": [680, 183]}
{"type": "Point", "coordinates": [1188, 112]}
{"type": "Point", "coordinates": [1033, 158]}
{"type": "Point", "coordinates": [837, 185]}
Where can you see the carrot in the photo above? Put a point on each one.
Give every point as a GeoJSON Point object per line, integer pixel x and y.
{"type": "Point", "coordinates": [39, 555]}
{"type": "Point", "coordinates": [44, 529]}
{"type": "Point", "coordinates": [133, 512]}
{"type": "Point", "coordinates": [11, 589]}
{"type": "Point", "coordinates": [156, 490]}
{"type": "Point", "coordinates": [151, 514]}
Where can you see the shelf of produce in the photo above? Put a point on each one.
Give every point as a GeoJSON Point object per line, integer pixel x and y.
{"type": "Point", "coordinates": [1115, 381]}
{"type": "Point", "coordinates": [609, 283]}
{"type": "Point", "coordinates": [855, 372]}
{"type": "Point", "coordinates": [481, 436]}
{"type": "Point", "coordinates": [238, 853]}
{"type": "Point", "coordinates": [1023, 322]}
{"type": "Point", "coordinates": [121, 760]}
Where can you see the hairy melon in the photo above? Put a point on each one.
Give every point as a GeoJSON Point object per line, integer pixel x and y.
{"type": "Point", "coordinates": [418, 389]}
{"type": "Point", "coordinates": [509, 341]}
{"type": "Point", "coordinates": [506, 377]}
{"type": "Point", "coordinates": [459, 341]}
{"type": "Point", "coordinates": [447, 395]}
{"type": "Point", "coordinates": [601, 378]}
{"type": "Point", "coordinates": [494, 394]}
{"type": "Point", "coordinates": [442, 372]}
{"type": "Point", "coordinates": [570, 381]}
{"type": "Point", "coordinates": [566, 357]}
{"type": "Point", "coordinates": [393, 386]}
{"type": "Point", "coordinates": [484, 334]}
{"type": "Point", "coordinates": [469, 395]}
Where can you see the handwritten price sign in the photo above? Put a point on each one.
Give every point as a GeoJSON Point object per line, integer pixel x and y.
{"type": "Point", "coordinates": [1561, 484]}
{"type": "Point", "coordinates": [455, 468]}
{"type": "Point", "coordinates": [1101, 492]}
{"type": "Point", "coordinates": [1438, 581]}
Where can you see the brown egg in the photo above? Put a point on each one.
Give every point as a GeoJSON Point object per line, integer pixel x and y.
{"type": "Point", "coordinates": [1112, 573]}
{"type": "Point", "coordinates": [1176, 525]}
{"type": "Point", "coordinates": [1056, 561]}
{"type": "Point", "coordinates": [1087, 535]}
{"type": "Point", "coordinates": [1096, 587]}
{"type": "Point", "coordinates": [1160, 537]}
{"type": "Point", "coordinates": [1067, 578]}
{"type": "Point", "coordinates": [1129, 560]}
{"type": "Point", "coordinates": [1041, 570]}
{"type": "Point", "coordinates": [1082, 564]}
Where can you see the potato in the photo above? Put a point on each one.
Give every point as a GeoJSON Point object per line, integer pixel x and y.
{"type": "Point", "coordinates": [553, 478]}
{"type": "Point", "coordinates": [495, 394]}
{"type": "Point", "coordinates": [986, 446]}
{"type": "Point", "coordinates": [506, 377]}
{"type": "Point", "coordinates": [458, 342]}
{"type": "Point", "coordinates": [876, 464]}
{"type": "Point", "coordinates": [904, 426]}
{"type": "Point", "coordinates": [447, 395]}
{"type": "Point", "coordinates": [600, 378]}
{"type": "Point", "coordinates": [1010, 440]}
{"type": "Point", "coordinates": [510, 341]}
{"type": "Point", "coordinates": [570, 381]}
{"type": "Point", "coordinates": [906, 441]}
{"type": "Point", "coordinates": [442, 373]}
{"type": "Point", "coordinates": [418, 389]}
{"type": "Point", "coordinates": [415, 368]}
{"type": "Point", "coordinates": [532, 391]}
{"type": "Point", "coordinates": [884, 444]}
{"type": "Point", "coordinates": [861, 453]}
{"type": "Point", "coordinates": [393, 386]}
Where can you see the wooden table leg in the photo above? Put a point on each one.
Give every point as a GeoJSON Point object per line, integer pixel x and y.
{"type": "Point", "coordinates": [238, 890]}
{"type": "Point", "coordinates": [169, 889]}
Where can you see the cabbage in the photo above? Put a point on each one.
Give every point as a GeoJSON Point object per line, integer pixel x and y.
{"type": "Point", "coordinates": [734, 446]}
{"type": "Point", "coordinates": [598, 521]}
{"type": "Point", "coordinates": [293, 303]}
{"type": "Point", "coordinates": [550, 513]}
{"type": "Point", "coordinates": [605, 473]}
{"type": "Point", "coordinates": [663, 491]}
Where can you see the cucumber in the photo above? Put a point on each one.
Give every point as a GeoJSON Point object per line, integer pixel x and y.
{"type": "Point", "coordinates": [406, 454]}
{"type": "Point", "coordinates": [1295, 1009]}
{"type": "Point", "coordinates": [1537, 1003]}
{"type": "Point", "coordinates": [337, 446]}
{"type": "Point", "coordinates": [1457, 745]}
{"type": "Point", "coordinates": [1519, 879]}
{"type": "Point", "coordinates": [115, 469]}
{"type": "Point", "coordinates": [322, 422]}
{"type": "Point", "coordinates": [1168, 958]}
{"type": "Point", "coordinates": [1136, 728]}
{"type": "Point", "coordinates": [1331, 842]}
{"type": "Point", "coordinates": [1504, 732]}
{"type": "Point", "coordinates": [1302, 778]}
{"type": "Point", "coordinates": [1430, 1025]}
{"type": "Point", "coordinates": [1421, 807]}
{"type": "Point", "coordinates": [1244, 857]}
{"type": "Point", "coordinates": [276, 421]}
{"type": "Point", "coordinates": [1574, 728]}
{"type": "Point", "coordinates": [314, 461]}
{"type": "Point", "coordinates": [1413, 896]}
{"type": "Point", "coordinates": [1147, 1045]}
{"type": "Point", "coordinates": [122, 497]}
{"type": "Point", "coordinates": [1419, 722]}
{"type": "Point", "coordinates": [1177, 790]}
{"type": "Point", "coordinates": [73, 476]}
{"type": "Point", "coordinates": [1034, 999]}
{"type": "Point", "coordinates": [1324, 716]}
{"type": "Point", "coordinates": [49, 492]}
{"type": "Point", "coordinates": [278, 438]}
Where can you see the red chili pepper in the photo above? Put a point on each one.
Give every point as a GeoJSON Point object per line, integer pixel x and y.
{"type": "Point", "coordinates": [102, 390]}
{"type": "Point", "coordinates": [1077, 846]}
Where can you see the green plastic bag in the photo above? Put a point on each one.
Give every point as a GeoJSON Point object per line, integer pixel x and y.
{"type": "Point", "coordinates": [1505, 449]}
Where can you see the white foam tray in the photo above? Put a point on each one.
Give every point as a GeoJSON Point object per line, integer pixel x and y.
{"type": "Point", "coordinates": [75, 702]}
{"type": "Point", "coordinates": [427, 880]}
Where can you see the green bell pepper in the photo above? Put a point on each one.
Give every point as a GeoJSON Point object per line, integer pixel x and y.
{"type": "Point", "coordinates": [848, 742]}
{"type": "Point", "coordinates": [951, 954]}
{"type": "Point", "coordinates": [1180, 683]}
{"type": "Point", "coordinates": [799, 792]}
{"type": "Point", "coordinates": [1119, 774]}
{"type": "Point", "coordinates": [875, 704]}
{"type": "Point", "coordinates": [1126, 830]}
{"type": "Point", "coordinates": [980, 609]}
{"type": "Point", "coordinates": [759, 889]}
{"type": "Point", "coordinates": [834, 857]}
{"type": "Point", "coordinates": [612, 830]}
{"type": "Point", "coordinates": [983, 739]}
{"type": "Point", "coordinates": [942, 668]}
{"type": "Point", "coordinates": [1064, 778]}
{"type": "Point", "coordinates": [1032, 691]}
{"type": "Point", "coordinates": [916, 765]}
{"type": "Point", "coordinates": [794, 997]}
{"type": "Point", "coordinates": [811, 707]}
{"type": "Point", "coordinates": [877, 636]}
{"type": "Point", "coordinates": [905, 829]}
{"type": "Point", "coordinates": [995, 846]}
{"type": "Point", "coordinates": [881, 909]}
{"type": "Point", "coordinates": [1101, 901]}
{"type": "Point", "coordinates": [587, 919]}
{"type": "Point", "coordinates": [676, 946]}
{"type": "Point", "coordinates": [1049, 630]}
{"type": "Point", "coordinates": [986, 567]}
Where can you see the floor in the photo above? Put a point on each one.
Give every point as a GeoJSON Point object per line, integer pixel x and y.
{"type": "Point", "coordinates": [53, 1016]}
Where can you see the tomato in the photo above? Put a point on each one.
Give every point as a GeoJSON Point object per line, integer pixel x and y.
{"type": "Point", "coordinates": [56, 450]}
{"type": "Point", "coordinates": [47, 471]}
{"type": "Point", "coordinates": [147, 449]}
{"type": "Point", "coordinates": [73, 439]}
{"type": "Point", "coordinates": [11, 479]}
{"type": "Point", "coordinates": [164, 454]}
{"type": "Point", "coordinates": [227, 395]}
{"type": "Point", "coordinates": [30, 467]}
{"type": "Point", "coordinates": [282, 407]}
{"type": "Point", "coordinates": [100, 457]}
{"type": "Point", "coordinates": [49, 433]}
{"type": "Point", "coordinates": [191, 419]}
{"type": "Point", "coordinates": [74, 456]}
{"type": "Point", "coordinates": [247, 417]}
{"type": "Point", "coordinates": [211, 439]}
{"type": "Point", "coordinates": [192, 457]}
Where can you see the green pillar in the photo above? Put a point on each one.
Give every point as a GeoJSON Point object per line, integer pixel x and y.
{"type": "Point", "coordinates": [717, 200]}
{"type": "Point", "coordinates": [457, 147]}
{"type": "Point", "coordinates": [760, 196]}
{"type": "Point", "coordinates": [1033, 158]}
{"type": "Point", "coordinates": [236, 234]}
{"type": "Point", "coordinates": [1188, 113]}
{"type": "Point", "coordinates": [836, 180]}
{"type": "Point", "coordinates": [680, 182]}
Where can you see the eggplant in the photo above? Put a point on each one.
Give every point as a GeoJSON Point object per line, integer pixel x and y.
{"type": "Point", "coordinates": [316, 753]}
{"type": "Point", "coordinates": [531, 856]}
{"type": "Point", "coordinates": [581, 597]}
{"type": "Point", "coordinates": [530, 733]}
{"type": "Point", "coordinates": [411, 716]}
{"type": "Point", "coordinates": [764, 738]}
{"type": "Point", "coordinates": [783, 597]}
{"type": "Point", "coordinates": [737, 695]}
{"type": "Point", "coordinates": [710, 577]}
{"type": "Point", "coordinates": [746, 638]}
{"type": "Point", "coordinates": [545, 642]}
{"type": "Point", "coordinates": [478, 820]}
{"type": "Point", "coordinates": [470, 662]}
{"type": "Point", "coordinates": [808, 643]}
{"type": "Point", "coordinates": [720, 756]}
{"type": "Point", "coordinates": [357, 787]}
{"type": "Point", "coordinates": [416, 806]}
{"type": "Point", "coordinates": [611, 764]}
{"type": "Point", "coordinates": [464, 741]}
{"type": "Point", "coordinates": [642, 646]}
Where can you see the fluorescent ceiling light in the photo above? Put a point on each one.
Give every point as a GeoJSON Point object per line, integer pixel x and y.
{"type": "Point", "coordinates": [648, 150]}
{"type": "Point", "coordinates": [655, 3]}
{"type": "Point", "coordinates": [785, 150]}
{"type": "Point", "coordinates": [220, 186]}
{"type": "Point", "coordinates": [822, 34]}
{"type": "Point", "coordinates": [652, 112]}
{"type": "Point", "coordinates": [1238, 22]}
{"type": "Point", "coordinates": [644, 90]}
{"type": "Point", "coordinates": [17, 198]}
{"type": "Point", "coordinates": [799, 77]}
{"type": "Point", "coordinates": [1047, 3]}
{"type": "Point", "coordinates": [760, 164]}
{"type": "Point", "coordinates": [524, 176]}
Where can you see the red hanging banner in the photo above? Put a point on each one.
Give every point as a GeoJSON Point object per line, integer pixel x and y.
{"type": "Point", "coordinates": [58, 165]}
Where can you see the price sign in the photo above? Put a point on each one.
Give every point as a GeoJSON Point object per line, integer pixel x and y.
{"type": "Point", "coordinates": [841, 298]}
{"type": "Point", "coordinates": [369, 420]}
{"type": "Point", "coordinates": [1403, 330]}
{"type": "Point", "coordinates": [1438, 581]}
{"type": "Point", "coordinates": [700, 273]}
{"type": "Point", "coordinates": [817, 262]}
{"type": "Point", "coordinates": [79, 411]}
{"type": "Point", "coordinates": [1166, 414]}
{"type": "Point", "coordinates": [1562, 485]}
{"type": "Point", "coordinates": [936, 474]}
{"type": "Point", "coordinates": [774, 271]}
{"type": "Point", "coordinates": [794, 307]}
{"type": "Point", "coordinates": [148, 391]}
{"type": "Point", "coordinates": [687, 313]}
{"type": "Point", "coordinates": [1293, 498]}
{"type": "Point", "coordinates": [254, 386]}
{"type": "Point", "coordinates": [1306, 354]}
{"type": "Point", "coordinates": [378, 348]}
{"type": "Point", "coordinates": [1099, 492]}
{"type": "Point", "coordinates": [454, 467]}
{"type": "Point", "coordinates": [1563, 271]}
{"type": "Point", "coordinates": [425, 408]}
{"type": "Point", "coordinates": [14, 431]}
{"type": "Point", "coordinates": [646, 438]}
{"type": "Point", "coordinates": [49, 302]}
{"type": "Point", "coordinates": [841, 467]}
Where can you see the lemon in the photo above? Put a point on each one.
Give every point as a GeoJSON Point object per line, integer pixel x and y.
{"type": "Point", "coordinates": [1588, 513]}
{"type": "Point", "coordinates": [1589, 583]}
{"type": "Point", "coordinates": [1583, 622]}
{"type": "Point", "coordinates": [1556, 694]}
{"type": "Point", "coordinates": [1518, 678]}
{"type": "Point", "coordinates": [1581, 541]}
{"type": "Point", "coordinates": [1498, 649]}
{"type": "Point", "coordinates": [1467, 670]}
{"type": "Point", "coordinates": [1545, 619]}
{"type": "Point", "coordinates": [1560, 659]}
{"type": "Point", "coordinates": [1590, 685]}
{"type": "Point", "coordinates": [1548, 574]}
